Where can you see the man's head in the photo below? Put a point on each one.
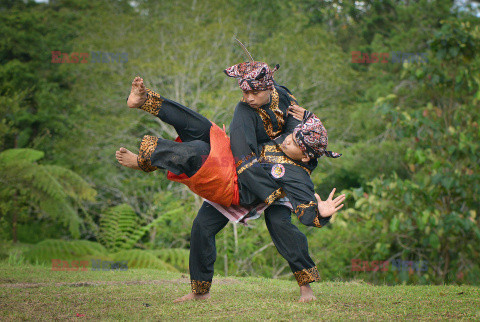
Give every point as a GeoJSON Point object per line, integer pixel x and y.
{"type": "Point", "coordinates": [252, 76]}
{"type": "Point", "coordinates": [257, 98]}
{"type": "Point", "coordinates": [309, 140]}
{"type": "Point", "coordinates": [292, 149]}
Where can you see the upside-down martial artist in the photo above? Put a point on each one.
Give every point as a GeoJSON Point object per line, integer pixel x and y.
{"type": "Point", "coordinates": [284, 164]}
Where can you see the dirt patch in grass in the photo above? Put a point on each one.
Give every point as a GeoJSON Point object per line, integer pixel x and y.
{"type": "Point", "coordinates": [98, 283]}
{"type": "Point", "coordinates": [6, 280]}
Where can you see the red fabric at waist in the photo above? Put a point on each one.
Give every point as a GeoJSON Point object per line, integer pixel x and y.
{"type": "Point", "coordinates": [217, 179]}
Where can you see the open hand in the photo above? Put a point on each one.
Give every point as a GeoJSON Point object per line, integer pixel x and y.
{"type": "Point", "coordinates": [329, 206]}
{"type": "Point", "coordinates": [296, 111]}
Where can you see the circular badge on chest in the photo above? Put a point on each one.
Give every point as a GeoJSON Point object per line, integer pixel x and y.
{"type": "Point", "coordinates": [278, 170]}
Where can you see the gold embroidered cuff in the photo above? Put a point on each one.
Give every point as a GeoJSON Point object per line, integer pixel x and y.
{"type": "Point", "coordinates": [200, 287]}
{"type": "Point", "coordinates": [292, 97]}
{"type": "Point", "coordinates": [316, 222]}
{"type": "Point", "coordinates": [147, 146]}
{"type": "Point", "coordinates": [276, 194]}
{"type": "Point", "coordinates": [153, 103]}
{"type": "Point", "coordinates": [306, 276]}
{"type": "Point", "coordinates": [301, 209]}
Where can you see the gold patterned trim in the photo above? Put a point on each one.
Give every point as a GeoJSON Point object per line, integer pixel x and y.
{"type": "Point", "coordinates": [276, 194]}
{"type": "Point", "coordinates": [293, 97]}
{"type": "Point", "coordinates": [306, 276]}
{"type": "Point", "coordinates": [245, 167]}
{"type": "Point", "coordinates": [282, 159]}
{"type": "Point", "coordinates": [147, 146]}
{"type": "Point", "coordinates": [153, 103]}
{"type": "Point", "coordinates": [200, 287]}
{"type": "Point", "coordinates": [316, 222]}
{"type": "Point", "coordinates": [244, 159]}
{"type": "Point", "coordinates": [272, 148]}
{"type": "Point", "coordinates": [267, 123]}
{"type": "Point", "coordinates": [304, 206]}
{"type": "Point", "coordinates": [267, 157]}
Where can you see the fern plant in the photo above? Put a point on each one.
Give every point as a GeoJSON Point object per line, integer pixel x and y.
{"type": "Point", "coordinates": [120, 227]}
{"type": "Point", "coordinates": [49, 249]}
{"type": "Point", "coordinates": [52, 190]}
{"type": "Point", "coordinates": [137, 258]}
{"type": "Point", "coordinates": [84, 250]}
{"type": "Point", "coordinates": [178, 257]}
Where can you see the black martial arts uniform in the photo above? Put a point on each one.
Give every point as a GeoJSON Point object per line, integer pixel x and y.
{"type": "Point", "coordinates": [251, 133]}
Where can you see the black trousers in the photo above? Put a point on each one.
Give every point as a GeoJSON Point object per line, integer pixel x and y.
{"type": "Point", "coordinates": [290, 242]}
{"type": "Point", "coordinates": [194, 129]}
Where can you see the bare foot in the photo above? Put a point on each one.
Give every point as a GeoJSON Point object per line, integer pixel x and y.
{"type": "Point", "coordinates": [127, 158]}
{"type": "Point", "coordinates": [192, 296]}
{"type": "Point", "coordinates": [138, 95]}
{"type": "Point", "coordinates": [306, 294]}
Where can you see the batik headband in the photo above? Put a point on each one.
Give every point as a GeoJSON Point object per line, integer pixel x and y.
{"type": "Point", "coordinates": [311, 136]}
{"type": "Point", "coordinates": [252, 75]}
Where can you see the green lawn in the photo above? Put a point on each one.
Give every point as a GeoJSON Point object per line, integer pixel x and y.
{"type": "Point", "coordinates": [36, 293]}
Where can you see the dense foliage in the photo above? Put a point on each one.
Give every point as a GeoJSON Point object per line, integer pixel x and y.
{"type": "Point", "coordinates": [408, 130]}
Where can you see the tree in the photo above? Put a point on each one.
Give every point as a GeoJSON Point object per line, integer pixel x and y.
{"type": "Point", "coordinates": [432, 214]}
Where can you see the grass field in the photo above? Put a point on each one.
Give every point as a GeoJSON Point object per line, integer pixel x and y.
{"type": "Point", "coordinates": [29, 292]}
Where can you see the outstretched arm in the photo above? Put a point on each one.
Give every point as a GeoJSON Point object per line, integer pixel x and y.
{"type": "Point", "coordinates": [307, 205]}
{"type": "Point", "coordinates": [319, 213]}
{"type": "Point", "coordinates": [328, 207]}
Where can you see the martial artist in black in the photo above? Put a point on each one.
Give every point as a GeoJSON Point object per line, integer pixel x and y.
{"type": "Point", "coordinates": [249, 126]}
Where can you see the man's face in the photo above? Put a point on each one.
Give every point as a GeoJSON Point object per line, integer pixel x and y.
{"type": "Point", "coordinates": [257, 98]}
{"type": "Point", "coordinates": [292, 150]}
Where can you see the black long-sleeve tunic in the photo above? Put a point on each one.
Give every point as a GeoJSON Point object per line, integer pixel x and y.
{"type": "Point", "coordinates": [252, 132]}
{"type": "Point", "coordinates": [250, 128]}
{"type": "Point", "coordinates": [294, 179]}
{"type": "Point", "coordinates": [265, 173]}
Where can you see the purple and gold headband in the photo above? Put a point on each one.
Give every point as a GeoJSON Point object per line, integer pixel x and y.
{"type": "Point", "coordinates": [311, 136]}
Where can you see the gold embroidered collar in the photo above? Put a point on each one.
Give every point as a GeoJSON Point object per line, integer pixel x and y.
{"type": "Point", "coordinates": [267, 122]}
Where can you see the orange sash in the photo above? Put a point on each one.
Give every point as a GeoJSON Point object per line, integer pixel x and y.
{"type": "Point", "coordinates": [217, 179]}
